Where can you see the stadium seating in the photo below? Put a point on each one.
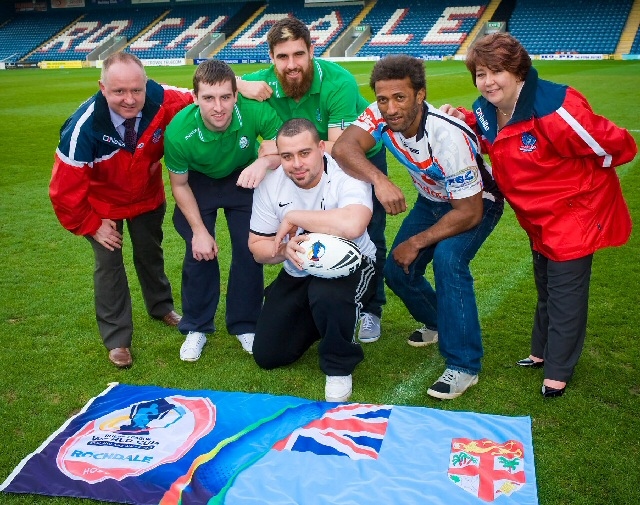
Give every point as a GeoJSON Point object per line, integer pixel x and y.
{"type": "Point", "coordinates": [325, 24]}
{"type": "Point", "coordinates": [587, 27]}
{"type": "Point", "coordinates": [423, 29]}
{"type": "Point", "coordinates": [93, 29]}
{"type": "Point", "coordinates": [183, 28]}
{"type": "Point", "coordinates": [26, 31]}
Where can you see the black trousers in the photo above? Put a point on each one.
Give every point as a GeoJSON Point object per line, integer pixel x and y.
{"type": "Point", "coordinates": [376, 230]}
{"type": "Point", "coordinates": [201, 279]}
{"type": "Point", "coordinates": [111, 288]}
{"type": "Point", "coordinates": [299, 311]}
{"type": "Point", "coordinates": [560, 322]}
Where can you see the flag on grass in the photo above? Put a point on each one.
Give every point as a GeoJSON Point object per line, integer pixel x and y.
{"type": "Point", "coordinates": [147, 445]}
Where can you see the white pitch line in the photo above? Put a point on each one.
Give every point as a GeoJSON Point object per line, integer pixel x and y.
{"type": "Point", "coordinates": [424, 376]}
{"type": "Point", "coordinates": [420, 380]}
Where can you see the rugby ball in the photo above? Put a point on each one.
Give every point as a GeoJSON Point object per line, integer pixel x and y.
{"type": "Point", "coordinates": [328, 256]}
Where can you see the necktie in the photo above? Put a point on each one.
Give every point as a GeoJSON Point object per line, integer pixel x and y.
{"type": "Point", "coordinates": [130, 136]}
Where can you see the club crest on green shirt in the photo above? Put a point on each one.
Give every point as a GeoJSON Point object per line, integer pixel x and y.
{"type": "Point", "coordinates": [244, 142]}
{"type": "Point", "coordinates": [318, 116]}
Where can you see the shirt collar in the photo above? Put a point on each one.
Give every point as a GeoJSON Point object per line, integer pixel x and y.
{"type": "Point", "coordinates": [207, 135]}
{"type": "Point", "coordinates": [118, 120]}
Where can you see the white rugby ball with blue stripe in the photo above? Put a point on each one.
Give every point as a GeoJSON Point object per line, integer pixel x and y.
{"type": "Point", "coordinates": [329, 256]}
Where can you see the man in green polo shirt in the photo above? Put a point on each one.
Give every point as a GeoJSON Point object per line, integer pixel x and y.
{"type": "Point", "coordinates": [297, 85]}
{"type": "Point", "coordinates": [211, 151]}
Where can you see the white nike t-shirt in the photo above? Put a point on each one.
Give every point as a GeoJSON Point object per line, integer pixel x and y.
{"type": "Point", "coordinates": [277, 194]}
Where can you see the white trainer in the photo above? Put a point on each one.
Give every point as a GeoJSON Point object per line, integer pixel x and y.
{"type": "Point", "coordinates": [191, 348]}
{"type": "Point", "coordinates": [452, 384]}
{"type": "Point", "coordinates": [423, 336]}
{"type": "Point", "coordinates": [246, 340]}
{"type": "Point", "coordinates": [369, 328]}
{"type": "Point", "coordinates": [338, 388]}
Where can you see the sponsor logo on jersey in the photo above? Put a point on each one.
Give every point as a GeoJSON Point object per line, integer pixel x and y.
{"type": "Point", "coordinates": [190, 134]}
{"type": "Point", "coordinates": [528, 143]}
{"type": "Point", "coordinates": [413, 150]}
{"type": "Point", "coordinates": [113, 140]}
{"type": "Point", "coordinates": [482, 120]}
{"type": "Point", "coordinates": [462, 179]}
{"type": "Point", "coordinates": [244, 142]}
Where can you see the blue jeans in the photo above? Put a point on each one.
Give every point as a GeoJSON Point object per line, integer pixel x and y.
{"type": "Point", "coordinates": [450, 308]}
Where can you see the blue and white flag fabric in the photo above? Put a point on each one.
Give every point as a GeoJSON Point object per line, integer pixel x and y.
{"type": "Point", "coordinates": [147, 445]}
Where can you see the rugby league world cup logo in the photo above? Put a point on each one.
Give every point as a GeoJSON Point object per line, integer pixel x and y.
{"type": "Point", "coordinates": [136, 439]}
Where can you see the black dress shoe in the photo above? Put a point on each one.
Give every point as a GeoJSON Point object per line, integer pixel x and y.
{"type": "Point", "coordinates": [529, 363]}
{"type": "Point", "coordinates": [549, 392]}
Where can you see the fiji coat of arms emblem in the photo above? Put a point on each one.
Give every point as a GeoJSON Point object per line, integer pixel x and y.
{"type": "Point", "coordinates": [485, 468]}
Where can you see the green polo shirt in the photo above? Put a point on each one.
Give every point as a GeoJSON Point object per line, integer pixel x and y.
{"type": "Point", "coordinates": [190, 145]}
{"type": "Point", "coordinates": [333, 101]}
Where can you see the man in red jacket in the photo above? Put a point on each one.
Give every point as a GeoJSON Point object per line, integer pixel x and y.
{"type": "Point", "coordinates": [106, 172]}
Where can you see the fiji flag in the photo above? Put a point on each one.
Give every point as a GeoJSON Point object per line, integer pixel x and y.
{"type": "Point", "coordinates": [373, 454]}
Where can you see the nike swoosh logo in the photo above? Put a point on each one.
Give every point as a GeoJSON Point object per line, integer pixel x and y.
{"type": "Point", "coordinates": [283, 204]}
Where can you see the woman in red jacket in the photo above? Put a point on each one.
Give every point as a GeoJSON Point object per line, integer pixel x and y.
{"type": "Point", "coordinates": [553, 159]}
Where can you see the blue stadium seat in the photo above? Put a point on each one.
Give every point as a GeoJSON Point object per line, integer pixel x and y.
{"type": "Point", "coordinates": [82, 37]}
{"type": "Point", "coordinates": [587, 27]}
{"type": "Point", "coordinates": [26, 31]}
{"type": "Point", "coordinates": [168, 36]}
{"type": "Point", "coordinates": [326, 22]}
{"type": "Point", "coordinates": [408, 34]}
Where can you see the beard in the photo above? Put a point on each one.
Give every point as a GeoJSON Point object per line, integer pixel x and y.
{"type": "Point", "coordinates": [297, 90]}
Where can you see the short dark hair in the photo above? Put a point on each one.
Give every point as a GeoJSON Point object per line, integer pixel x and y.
{"type": "Point", "coordinates": [498, 51]}
{"type": "Point", "coordinates": [289, 28]}
{"type": "Point", "coordinates": [296, 126]}
{"type": "Point", "coordinates": [214, 72]}
{"type": "Point", "coordinates": [399, 67]}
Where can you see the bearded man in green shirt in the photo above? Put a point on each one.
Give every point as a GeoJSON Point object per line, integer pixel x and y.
{"type": "Point", "coordinates": [211, 152]}
{"type": "Point", "coordinates": [297, 85]}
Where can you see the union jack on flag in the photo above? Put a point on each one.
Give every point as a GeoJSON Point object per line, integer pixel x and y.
{"type": "Point", "coordinates": [354, 430]}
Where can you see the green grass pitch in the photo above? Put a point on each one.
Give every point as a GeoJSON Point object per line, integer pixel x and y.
{"type": "Point", "coordinates": [586, 444]}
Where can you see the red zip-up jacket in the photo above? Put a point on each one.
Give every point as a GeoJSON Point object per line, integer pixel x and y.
{"type": "Point", "coordinates": [96, 177]}
{"type": "Point", "coordinates": [554, 162]}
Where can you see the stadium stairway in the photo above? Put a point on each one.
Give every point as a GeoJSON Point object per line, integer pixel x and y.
{"type": "Point", "coordinates": [629, 31]}
{"type": "Point", "coordinates": [356, 22]}
{"type": "Point", "coordinates": [486, 16]}
{"type": "Point", "coordinates": [242, 28]}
